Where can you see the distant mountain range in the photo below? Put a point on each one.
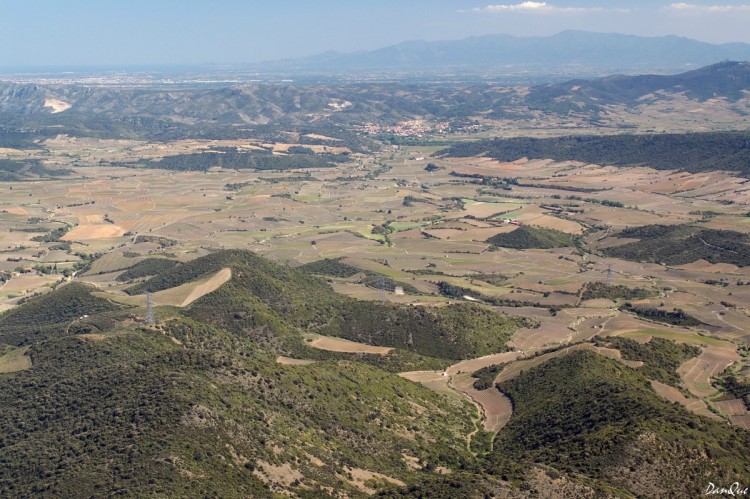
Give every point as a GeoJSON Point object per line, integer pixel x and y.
{"type": "Point", "coordinates": [595, 53]}
{"type": "Point", "coordinates": [728, 79]}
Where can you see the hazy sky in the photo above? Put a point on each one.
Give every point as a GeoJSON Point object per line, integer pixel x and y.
{"type": "Point", "coordinates": [131, 32]}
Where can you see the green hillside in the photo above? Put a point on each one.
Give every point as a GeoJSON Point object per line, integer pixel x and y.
{"type": "Point", "coordinates": [274, 303]}
{"type": "Point", "coordinates": [53, 314]}
{"type": "Point", "coordinates": [137, 415]}
{"type": "Point", "coordinates": [528, 237]}
{"type": "Point", "coordinates": [145, 268]}
{"type": "Point", "coordinates": [586, 414]}
{"type": "Point", "coordinates": [198, 406]}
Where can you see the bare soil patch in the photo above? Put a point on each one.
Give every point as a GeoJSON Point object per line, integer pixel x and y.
{"type": "Point", "coordinates": [364, 480]}
{"type": "Point", "coordinates": [734, 407]}
{"type": "Point", "coordinates": [345, 346]}
{"type": "Point", "coordinates": [208, 286]}
{"type": "Point", "coordinates": [94, 231]}
{"type": "Point", "coordinates": [282, 475]}
{"type": "Point", "coordinates": [288, 361]}
{"type": "Point", "coordinates": [713, 268]}
{"type": "Point", "coordinates": [16, 211]}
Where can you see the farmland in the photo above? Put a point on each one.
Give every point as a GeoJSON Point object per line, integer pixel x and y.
{"type": "Point", "coordinates": [371, 314]}
{"type": "Point", "coordinates": [384, 215]}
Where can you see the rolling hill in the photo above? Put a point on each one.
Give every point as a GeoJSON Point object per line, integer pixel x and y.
{"type": "Point", "coordinates": [274, 111]}
{"type": "Point", "coordinates": [199, 405]}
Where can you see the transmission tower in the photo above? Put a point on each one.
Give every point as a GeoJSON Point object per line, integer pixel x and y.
{"type": "Point", "coordinates": [150, 319]}
{"type": "Point", "coordinates": [382, 288]}
{"type": "Point", "coordinates": [609, 275]}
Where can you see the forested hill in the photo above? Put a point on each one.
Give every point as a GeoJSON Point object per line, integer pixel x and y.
{"type": "Point", "coordinates": [729, 79]}
{"type": "Point", "coordinates": [199, 405]}
{"type": "Point", "coordinates": [692, 152]}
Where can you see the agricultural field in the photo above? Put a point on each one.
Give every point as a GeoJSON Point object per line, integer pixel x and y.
{"type": "Point", "coordinates": [390, 219]}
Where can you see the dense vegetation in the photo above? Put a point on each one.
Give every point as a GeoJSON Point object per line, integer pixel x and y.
{"type": "Point", "coordinates": [660, 357]}
{"type": "Point", "coordinates": [11, 170]}
{"type": "Point", "coordinates": [137, 415]}
{"type": "Point", "coordinates": [485, 377]}
{"type": "Point", "coordinates": [246, 160]}
{"type": "Point", "coordinates": [269, 301]}
{"type": "Point", "coordinates": [692, 152]}
{"type": "Point", "coordinates": [453, 291]}
{"type": "Point", "coordinates": [587, 414]}
{"type": "Point", "coordinates": [528, 237]}
{"type": "Point", "coordinates": [681, 244]}
{"type": "Point", "coordinates": [331, 267]}
{"type": "Point", "coordinates": [198, 406]}
{"type": "Point", "coordinates": [51, 313]}
{"type": "Point", "coordinates": [733, 384]}
{"type": "Point", "coordinates": [145, 268]}
{"type": "Point", "coordinates": [52, 236]}
{"type": "Point", "coordinates": [594, 290]}
{"type": "Point", "coordinates": [675, 317]}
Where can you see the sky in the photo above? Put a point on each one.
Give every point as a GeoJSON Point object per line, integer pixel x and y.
{"type": "Point", "coordinates": [77, 33]}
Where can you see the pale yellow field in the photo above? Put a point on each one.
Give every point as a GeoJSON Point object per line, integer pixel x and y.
{"type": "Point", "coordinates": [344, 346]}
{"type": "Point", "coordinates": [209, 286]}
{"type": "Point", "coordinates": [16, 211]}
{"type": "Point", "coordinates": [15, 360]}
{"type": "Point", "coordinates": [94, 231]}
{"type": "Point", "coordinates": [179, 296]}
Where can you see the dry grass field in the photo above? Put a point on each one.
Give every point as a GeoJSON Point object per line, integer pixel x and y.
{"type": "Point", "coordinates": [344, 346]}
{"type": "Point", "coordinates": [179, 296]}
{"type": "Point", "coordinates": [15, 360]}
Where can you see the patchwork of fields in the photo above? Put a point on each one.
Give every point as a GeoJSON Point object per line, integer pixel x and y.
{"type": "Point", "coordinates": [422, 230]}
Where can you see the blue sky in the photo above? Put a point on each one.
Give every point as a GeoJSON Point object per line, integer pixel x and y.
{"type": "Point", "coordinates": [133, 32]}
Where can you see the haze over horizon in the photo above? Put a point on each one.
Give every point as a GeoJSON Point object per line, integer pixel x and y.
{"type": "Point", "coordinates": [87, 33]}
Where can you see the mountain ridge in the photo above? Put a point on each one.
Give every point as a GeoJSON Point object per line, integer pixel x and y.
{"type": "Point", "coordinates": [566, 49]}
